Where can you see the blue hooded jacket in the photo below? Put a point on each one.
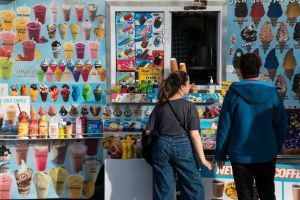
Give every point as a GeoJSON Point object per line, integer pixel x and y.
{"type": "Point", "coordinates": [252, 124]}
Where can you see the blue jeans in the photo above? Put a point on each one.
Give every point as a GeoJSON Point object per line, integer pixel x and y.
{"type": "Point", "coordinates": [175, 153]}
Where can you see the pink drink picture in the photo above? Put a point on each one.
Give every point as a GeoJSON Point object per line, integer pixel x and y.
{"type": "Point", "coordinates": [79, 9]}
{"type": "Point", "coordinates": [40, 13]}
{"type": "Point", "coordinates": [8, 41]}
{"type": "Point", "coordinates": [80, 48]}
{"type": "Point", "coordinates": [34, 30]}
{"type": "Point", "coordinates": [40, 157]}
{"type": "Point", "coordinates": [28, 49]}
{"type": "Point", "coordinates": [5, 186]}
{"type": "Point", "coordinates": [94, 49]}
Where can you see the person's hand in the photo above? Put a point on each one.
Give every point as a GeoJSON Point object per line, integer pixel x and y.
{"type": "Point", "coordinates": [207, 164]}
{"type": "Point", "coordinates": [219, 162]}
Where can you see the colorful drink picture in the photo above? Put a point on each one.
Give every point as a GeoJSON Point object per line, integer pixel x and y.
{"type": "Point", "coordinates": [6, 66]}
{"type": "Point", "coordinates": [40, 13]}
{"type": "Point", "coordinates": [40, 156]}
{"type": "Point", "coordinates": [20, 25]}
{"type": "Point", "coordinates": [23, 178]}
{"type": "Point", "coordinates": [79, 9]}
{"type": "Point", "coordinates": [94, 49]}
{"type": "Point", "coordinates": [34, 31]}
{"type": "Point", "coordinates": [29, 49]}
{"type": "Point", "coordinates": [77, 155]}
{"type": "Point", "coordinates": [7, 17]}
{"type": "Point", "coordinates": [42, 183]}
{"type": "Point", "coordinates": [24, 12]}
{"type": "Point", "coordinates": [21, 152]}
{"type": "Point", "coordinates": [80, 48]}
{"type": "Point", "coordinates": [5, 185]}
{"type": "Point", "coordinates": [75, 186]}
{"type": "Point", "coordinates": [8, 41]}
{"type": "Point", "coordinates": [59, 178]}
{"type": "Point", "coordinates": [68, 48]}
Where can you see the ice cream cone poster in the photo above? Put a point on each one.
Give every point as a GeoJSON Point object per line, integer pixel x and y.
{"type": "Point", "coordinates": [271, 29]}
{"type": "Point", "coordinates": [240, 12]}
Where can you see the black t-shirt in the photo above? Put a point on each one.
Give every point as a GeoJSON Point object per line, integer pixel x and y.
{"type": "Point", "coordinates": [163, 119]}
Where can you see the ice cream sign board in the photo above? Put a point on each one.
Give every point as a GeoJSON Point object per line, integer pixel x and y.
{"type": "Point", "coordinates": [150, 73]}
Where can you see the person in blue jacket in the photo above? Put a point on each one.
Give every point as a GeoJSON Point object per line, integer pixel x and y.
{"type": "Point", "coordinates": [251, 131]}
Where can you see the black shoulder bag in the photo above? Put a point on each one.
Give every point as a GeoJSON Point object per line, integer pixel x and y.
{"type": "Point", "coordinates": [148, 140]}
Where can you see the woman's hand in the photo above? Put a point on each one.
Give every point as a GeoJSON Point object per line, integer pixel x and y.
{"type": "Point", "coordinates": [208, 164]}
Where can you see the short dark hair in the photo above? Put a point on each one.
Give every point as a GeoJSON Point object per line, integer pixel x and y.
{"type": "Point", "coordinates": [249, 65]}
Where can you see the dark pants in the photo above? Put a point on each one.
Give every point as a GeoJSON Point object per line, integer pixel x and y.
{"type": "Point", "coordinates": [174, 153]}
{"type": "Point", "coordinates": [262, 173]}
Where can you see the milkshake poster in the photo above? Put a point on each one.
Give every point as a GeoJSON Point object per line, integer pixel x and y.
{"type": "Point", "coordinates": [271, 30]}
{"type": "Point", "coordinates": [49, 169]}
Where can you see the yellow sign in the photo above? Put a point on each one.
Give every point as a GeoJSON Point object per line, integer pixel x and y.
{"type": "Point", "coordinates": [225, 87]}
{"type": "Point", "coordinates": [150, 73]}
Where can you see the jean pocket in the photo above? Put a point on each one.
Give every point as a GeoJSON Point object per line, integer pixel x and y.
{"type": "Point", "coordinates": [184, 151]}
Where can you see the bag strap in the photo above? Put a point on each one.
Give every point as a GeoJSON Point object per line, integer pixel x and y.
{"type": "Point", "coordinates": [177, 118]}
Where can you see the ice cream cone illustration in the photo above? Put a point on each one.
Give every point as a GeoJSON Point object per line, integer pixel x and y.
{"type": "Point", "coordinates": [296, 35]}
{"type": "Point", "coordinates": [24, 90]}
{"type": "Point", "coordinates": [248, 34]}
{"type": "Point", "coordinates": [14, 91]}
{"type": "Point", "coordinates": [281, 46]}
{"type": "Point", "coordinates": [282, 86]}
{"type": "Point", "coordinates": [282, 36]}
{"type": "Point", "coordinates": [266, 36]}
{"type": "Point", "coordinates": [271, 64]}
{"type": "Point", "coordinates": [256, 21]}
{"type": "Point", "coordinates": [236, 62]}
{"type": "Point", "coordinates": [272, 73]}
{"type": "Point", "coordinates": [296, 86]}
{"type": "Point", "coordinates": [265, 46]}
{"type": "Point", "coordinates": [289, 73]}
{"type": "Point", "coordinates": [291, 21]}
{"type": "Point", "coordinates": [33, 92]}
{"type": "Point", "coordinates": [274, 12]}
{"type": "Point", "coordinates": [274, 21]}
{"type": "Point", "coordinates": [117, 112]}
{"type": "Point", "coordinates": [289, 64]}
{"type": "Point", "coordinates": [240, 21]}
{"type": "Point", "coordinates": [292, 12]}
{"type": "Point", "coordinates": [240, 11]}
{"type": "Point", "coordinates": [257, 12]}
